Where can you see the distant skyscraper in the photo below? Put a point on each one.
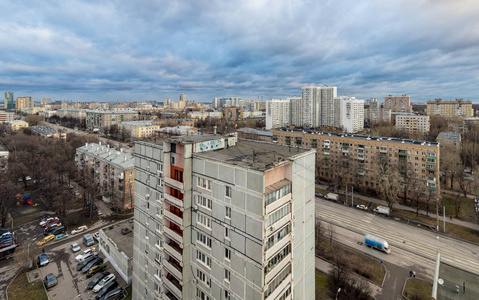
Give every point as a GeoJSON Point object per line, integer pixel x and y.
{"type": "Point", "coordinates": [166, 102]}
{"type": "Point", "coordinates": [182, 102]}
{"type": "Point", "coordinates": [317, 106]}
{"type": "Point", "coordinates": [24, 103]}
{"type": "Point", "coordinates": [351, 114]}
{"type": "Point", "coordinates": [44, 101]}
{"type": "Point", "coordinates": [278, 113]}
{"type": "Point", "coordinates": [9, 100]}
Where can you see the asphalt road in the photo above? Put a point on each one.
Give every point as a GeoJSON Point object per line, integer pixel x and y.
{"type": "Point", "coordinates": [410, 246]}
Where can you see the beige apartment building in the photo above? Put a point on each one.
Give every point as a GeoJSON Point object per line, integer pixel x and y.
{"type": "Point", "coordinates": [375, 113]}
{"type": "Point", "coordinates": [99, 119]}
{"type": "Point", "coordinates": [113, 170]}
{"type": "Point", "coordinates": [457, 108]}
{"type": "Point", "coordinates": [17, 125]}
{"type": "Point", "coordinates": [413, 124]}
{"type": "Point", "coordinates": [353, 158]}
{"type": "Point", "coordinates": [140, 129]}
{"type": "Point", "coordinates": [398, 103]}
{"type": "Point", "coordinates": [24, 103]}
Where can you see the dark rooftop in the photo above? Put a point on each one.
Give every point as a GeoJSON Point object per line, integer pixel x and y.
{"type": "Point", "coordinates": [122, 235]}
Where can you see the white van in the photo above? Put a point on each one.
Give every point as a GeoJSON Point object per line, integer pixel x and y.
{"type": "Point", "coordinates": [88, 240]}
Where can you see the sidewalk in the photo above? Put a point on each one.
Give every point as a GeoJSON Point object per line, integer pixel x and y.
{"type": "Point", "coordinates": [403, 207]}
{"type": "Point", "coordinates": [325, 266]}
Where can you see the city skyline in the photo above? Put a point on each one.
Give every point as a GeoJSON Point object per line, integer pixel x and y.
{"type": "Point", "coordinates": [153, 50]}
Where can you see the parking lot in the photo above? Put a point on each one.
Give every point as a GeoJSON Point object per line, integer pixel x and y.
{"type": "Point", "coordinates": [72, 284]}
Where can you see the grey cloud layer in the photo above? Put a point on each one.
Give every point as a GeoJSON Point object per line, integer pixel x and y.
{"type": "Point", "coordinates": [135, 50]}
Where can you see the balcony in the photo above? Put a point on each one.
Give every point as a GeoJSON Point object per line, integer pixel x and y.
{"type": "Point", "coordinates": [383, 149]}
{"type": "Point", "coordinates": [174, 235]}
{"type": "Point", "coordinates": [361, 172]}
{"type": "Point", "coordinates": [174, 250]}
{"type": "Point", "coordinates": [177, 271]}
{"type": "Point", "coordinates": [174, 218]}
{"type": "Point", "coordinates": [176, 184]}
{"type": "Point", "coordinates": [169, 295]}
{"type": "Point", "coordinates": [121, 175]}
{"type": "Point", "coordinates": [173, 285]}
{"type": "Point", "coordinates": [360, 157]}
{"type": "Point", "coordinates": [175, 201]}
{"type": "Point", "coordinates": [277, 268]}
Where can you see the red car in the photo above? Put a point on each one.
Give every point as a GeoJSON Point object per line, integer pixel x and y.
{"type": "Point", "coordinates": [54, 220]}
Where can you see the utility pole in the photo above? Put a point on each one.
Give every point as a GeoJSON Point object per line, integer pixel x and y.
{"type": "Point", "coordinates": [352, 196]}
{"type": "Point", "coordinates": [346, 194]}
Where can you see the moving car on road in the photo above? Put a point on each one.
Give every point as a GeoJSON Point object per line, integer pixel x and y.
{"type": "Point", "coordinates": [79, 229]}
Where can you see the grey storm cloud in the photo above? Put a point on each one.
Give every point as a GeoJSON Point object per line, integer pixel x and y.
{"type": "Point", "coordinates": [152, 49]}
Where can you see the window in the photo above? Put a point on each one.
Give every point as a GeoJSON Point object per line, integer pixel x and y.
{"type": "Point", "coordinates": [172, 160]}
{"type": "Point", "coordinates": [204, 202]}
{"type": "Point", "coordinates": [278, 214]}
{"type": "Point", "coordinates": [201, 295]}
{"type": "Point", "coordinates": [146, 234]}
{"type": "Point", "coordinates": [228, 212]}
{"type": "Point", "coordinates": [227, 295]}
{"type": "Point", "coordinates": [277, 280]}
{"type": "Point", "coordinates": [277, 258]}
{"type": "Point", "coordinates": [227, 254]}
{"type": "Point", "coordinates": [203, 239]}
{"type": "Point", "coordinates": [157, 288]}
{"type": "Point", "coordinates": [201, 257]}
{"type": "Point", "coordinates": [227, 232]}
{"type": "Point", "coordinates": [227, 275]}
{"type": "Point", "coordinates": [204, 183]}
{"type": "Point", "coordinates": [203, 220]}
{"type": "Point", "coordinates": [158, 227]}
{"type": "Point", "coordinates": [271, 197]}
{"type": "Point", "coordinates": [202, 277]}
{"type": "Point", "coordinates": [158, 257]}
{"type": "Point", "coordinates": [228, 192]}
{"type": "Point", "coordinates": [277, 236]}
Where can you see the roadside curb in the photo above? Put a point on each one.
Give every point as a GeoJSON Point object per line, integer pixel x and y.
{"type": "Point", "coordinates": [6, 290]}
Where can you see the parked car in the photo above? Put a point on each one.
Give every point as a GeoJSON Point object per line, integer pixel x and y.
{"type": "Point", "coordinates": [84, 253]}
{"type": "Point", "coordinates": [88, 240]}
{"type": "Point", "coordinates": [95, 269]}
{"type": "Point", "coordinates": [106, 289]}
{"type": "Point", "coordinates": [91, 264]}
{"type": "Point", "coordinates": [319, 194]}
{"type": "Point", "coordinates": [115, 294]}
{"type": "Point", "coordinates": [47, 220]}
{"type": "Point", "coordinates": [104, 282]}
{"type": "Point", "coordinates": [96, 236]}
{"type": "Point", "coordinates": [97, 279]}
{"type": "Point", "coordinates": [82, 264]}
{"type": "Point", "coordinates": [79, 229]}
{"type": "Point", "coordinates": [28, 178]}
{"type": "Point", "coordinates": [50, 281]}
{"type": "Point", "coordinates": [49, 230]}
{"type": "Point", "coordinates": [362, 207]}
{"type": "Point", "coordinates": [61, 236]}
{"type": "Point", "coordinates": [42, 260]}
{"type": "Point", "coordinates": [58, 230]}
{"type": "Point", "coordinates": [44, 217]}
{"type": "Point", "coordinates": [75, 247]}
{"type": "Point", "coordinates": [46, 240]}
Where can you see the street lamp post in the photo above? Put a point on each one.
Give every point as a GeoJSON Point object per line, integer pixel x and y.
{"type": "Point", "coordinates": [437, 244]}
{"type": "Point", "coordinates": [339, 290]}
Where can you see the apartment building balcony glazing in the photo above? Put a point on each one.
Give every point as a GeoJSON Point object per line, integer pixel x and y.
{"type": "Point", "coordinates": [174, 183]}
{"type": "Point", "coordinates": [173, 285]}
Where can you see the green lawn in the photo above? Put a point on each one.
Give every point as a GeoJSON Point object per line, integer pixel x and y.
{"type": "Point", "coordinates": [417, 289]}
{"type": "Point", "coordinates": [321, 285]}
{"type": "Point", "coordinates": [467, 211]}
{"type": "Point", "coordinates": [21, 289]}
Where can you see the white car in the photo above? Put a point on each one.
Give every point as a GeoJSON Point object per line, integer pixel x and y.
{"type": "Point", "coordinates": [96, 236]}
{"type": "Point", "coordinates": [48, 220]}
{"type": "Point", "coordinates": [75, 247]}
{"type": "Point", "coordinates": [79, 229]}
{"type": "Point", "coordinates": [84, 253]}
{"type": "Point", "coordinates": [103, 282]}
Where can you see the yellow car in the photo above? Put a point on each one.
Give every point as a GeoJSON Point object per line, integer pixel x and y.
{"type": "Point", "coordinates": [46, 240]}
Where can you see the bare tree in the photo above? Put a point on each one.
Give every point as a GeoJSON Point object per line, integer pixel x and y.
{"type": "Point", "coordinates": [389, 184]}
{"type": "Point", "coordinates": [330, 233]}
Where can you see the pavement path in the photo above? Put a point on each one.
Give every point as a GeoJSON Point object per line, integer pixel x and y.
{"type": "Point", "coordinates": [403, 207]}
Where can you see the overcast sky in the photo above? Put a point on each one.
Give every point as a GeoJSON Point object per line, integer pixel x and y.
{"type": "Point", "coordinates": [150, 50]}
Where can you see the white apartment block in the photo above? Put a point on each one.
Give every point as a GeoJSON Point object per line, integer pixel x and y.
{"type": "Point", "coordinates": [278, 113]}
{"type": "Point", "coordinates": [413, 123]}
{"type": "Point", "coordinates": [329, 107]}
{"type": "Point", "coordinates": [318, 106]}
{"type": "Point", "coordinates": [217, 218]}
{"type": "Point", "coordinates": [296, 115]}
{"type": "Point", "coordinates": [351, 114]}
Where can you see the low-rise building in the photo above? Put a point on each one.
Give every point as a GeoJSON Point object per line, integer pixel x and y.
{"type": "Point", "coordinates": [232, 113]}
{"type": "Point", "coordinates": [3, 156]}
{"type": "Point", "coordinates": [72, 113]}
{"type": "Point", "coordinates": [140, 129]}
{"type": "Point", "coordinates": [48, 132]}
{"type": "Point", "coordinates": [375, 113]}
{"type": "Point", "coordinates": [255, 134]}
{"type": "Point", "coordinates": [174, 122]}
{"type": "Point", "coordinates": [17, 125]}
{"type": "Point", "coordinates": [100, 119]}
{"type": "Point", "coordinates": [113, 170]}
{"type": "Point", "coordinates": [6, 116]}
{"type": "Point", "coordinates": [176, 131]}
{"type": "Point", "coordinates": [116, 243]}
{"type": "Point", "coordinates": [413, 124]}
